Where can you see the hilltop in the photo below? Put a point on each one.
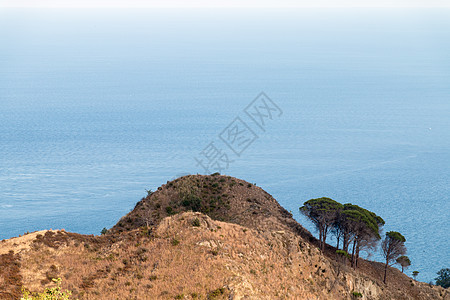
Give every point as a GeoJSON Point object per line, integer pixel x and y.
{"type": "Point", "coordinates": [198, 237]}
{"type": "Point", "coordinates": [223, 198]}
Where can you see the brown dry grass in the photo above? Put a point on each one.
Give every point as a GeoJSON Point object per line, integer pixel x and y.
{"type": "Point", "coordinates": [180, 260]}
{"type": "Point", "coordinates": [10, 277]}
{"type": "Point", "coordinates": [20, 243]}
{"type": "Point", "coordinates": [260, 252]}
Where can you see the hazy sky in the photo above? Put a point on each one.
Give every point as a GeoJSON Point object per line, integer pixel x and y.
{"type": "Point", "coordinates": [224, 3]}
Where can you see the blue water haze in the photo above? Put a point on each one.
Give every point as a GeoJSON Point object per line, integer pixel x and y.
{"type": "Point", "coordinates": [97, 106]}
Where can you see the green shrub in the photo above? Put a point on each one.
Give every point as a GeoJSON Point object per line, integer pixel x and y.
{"type": "Point", "coordinates": [49, 294]}
{"type": "Point", "coordinates": [357, 294]}
{"type": "Point", "coordinates": [170, 210]}
{"type": "Point", "coordinates": [216, 293]}
{"type": "Point", "coordinates": [192, 201]}
{"type": "Point", "coordinates": [443, 278]}
{"type": "Point", "coordinates": [145, 231]}
{"type": "Point", "coordinates": [342, 253]}
{"type": "Point", "coordinates": [196, 222]}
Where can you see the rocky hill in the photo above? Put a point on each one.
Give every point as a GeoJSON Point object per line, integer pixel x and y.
{"type": "Point", "coordinates": [198, 237]}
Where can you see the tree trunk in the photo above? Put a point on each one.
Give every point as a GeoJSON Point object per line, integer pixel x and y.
{"type": "Point", "coordinates": [353, 252]}
{"type": "Point", "coordinates": [345, 242]}
{"type": "Point", "coordinates": [324, 238]}
{"type": "Point", "coordinates": [357, 255]}
{"type": "Point", "coordinates": [320, 238]}
{"type": "Point", "coordinates": [385, 271]}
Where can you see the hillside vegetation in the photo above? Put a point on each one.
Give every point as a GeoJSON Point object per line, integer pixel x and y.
{"type": "Point", "coordinates": [198, 237]}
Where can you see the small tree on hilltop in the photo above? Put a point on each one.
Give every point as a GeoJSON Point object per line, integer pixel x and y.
{"type": "Point", "coordinates": [443, 278]}
{"type": "Point", "coordinates": [393, 246]}
{"type": "Point", "coordinates": [415, 274]}
{"type": "Point", "coordinates": [322, 212]}
{"type": "Point", "coordinates": [404, 262]}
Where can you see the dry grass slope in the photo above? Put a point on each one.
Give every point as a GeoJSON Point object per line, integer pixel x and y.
{"type": "Point", "coordinates": [241, 244]}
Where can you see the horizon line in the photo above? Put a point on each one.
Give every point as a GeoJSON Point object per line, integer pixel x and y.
{"type": "Point", "coordinates": [255, 4]}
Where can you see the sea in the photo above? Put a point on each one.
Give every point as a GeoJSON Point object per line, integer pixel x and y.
{"type": "Point", "coordinates": [98, 106]}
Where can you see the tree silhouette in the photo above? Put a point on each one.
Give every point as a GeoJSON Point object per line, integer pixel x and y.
{"type": "Point", "coordinates": [404, 262]}
{"type": "Point", "coordinates": [443, 278]}
{"type": "Point", "coordinates": [393, 246]}
{"type": "Point", "coordinates": [322, 212]}
{"type": "Point", "coordinates": [359, 227]}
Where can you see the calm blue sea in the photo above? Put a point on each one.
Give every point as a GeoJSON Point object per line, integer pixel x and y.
{"type": "Point", "coordinates": [98, 106]}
